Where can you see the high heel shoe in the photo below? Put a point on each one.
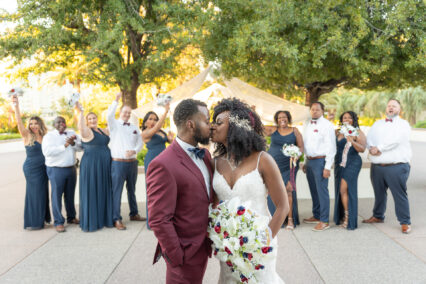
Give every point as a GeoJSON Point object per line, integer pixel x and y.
{"type": "Point", "coordinates": [345, 220]}
{"type": "Point", "coordinates": [290, 227]}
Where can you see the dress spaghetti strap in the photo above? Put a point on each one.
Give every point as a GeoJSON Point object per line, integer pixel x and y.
{"type": "Point", "coordinates": [258, 160]}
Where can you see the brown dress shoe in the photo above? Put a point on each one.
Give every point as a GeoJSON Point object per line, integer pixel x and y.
{"type": "Point", "coordinates": [119, 225]}
{"type": "Point", "coordinates": [60, 228]}
{"type": "Point", "coordinates": [137, 217]}
{"type": "Point", "coordinates": [405, 228]}
{"type": "Point", "coordinates": [321, 227]}
{"type": "Point", "coordinates": [311, 220]}
{"type": "Point", "coordinates": [74, 221]}
{"type": "Point", "coordinates": [373, 220]}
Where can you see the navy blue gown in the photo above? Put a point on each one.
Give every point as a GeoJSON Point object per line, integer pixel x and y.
{"type": "Point", "coordinates": [36, 210]}
{"type": "Point", "coordinates": [95, 184]}
{"type": "Point", "coordinates": [283, 162]}
{"type": "Point", "coordinates": [350, 174]}
{"type": "Point", "coordinates": [155, 146]}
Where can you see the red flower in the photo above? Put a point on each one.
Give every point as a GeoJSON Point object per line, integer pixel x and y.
{"type": "Point", "coordinates": [228, 251]}
{"type": "Point", "coordinates": [225, 234]}
{"type": "Point", "coordinates": [217, 228]}
{"type": "Point", "coordinates": [241, 210]}
{"type": "Point", "coordinates": [243, 278]}
{"type": "Point", "coordinates": [12, 91]}
{"type": "Point", "coordinates": [259, 266]}
{"type": "Point", "coordinates": [316, 130]}
{"type": "Point", "coordinates": [215, 252]}
{"type": "Point", "coordinates": [249, 256]}
{"type": "Point", "coordinates": [265, 250]}
{"type": "Point", "coordinates": [229, 263]}
{"type": "Point", "coordinates": [350, 131]}
{"type": "Point", "coordinates": [241, 240]}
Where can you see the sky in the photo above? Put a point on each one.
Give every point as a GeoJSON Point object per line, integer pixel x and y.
{"type": "Point", "coordinates": [8, 5]}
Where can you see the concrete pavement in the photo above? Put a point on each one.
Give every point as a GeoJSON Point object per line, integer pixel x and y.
{"type": "Point", "coordinates": [371, 254]}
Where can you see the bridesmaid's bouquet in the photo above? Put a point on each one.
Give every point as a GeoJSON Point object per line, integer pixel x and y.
{"type": "Point", "coordinates": [15, 92]}
{"type": "Point", "coordinates": [73, 99]}
{"type": "Point", "coordinates": [163, 99]}
{"type": "Point", "coordinates": [241, 239]}
{"type": "Point", "coordinates": [348, 130]}
{"type": "Point", "coordinates": [291, 150]}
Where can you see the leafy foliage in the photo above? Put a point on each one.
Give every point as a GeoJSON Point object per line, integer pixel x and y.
{"type": "Point", "coordinates": [117, 43]}
{"type": "Point", "coordinates": [317, 45]}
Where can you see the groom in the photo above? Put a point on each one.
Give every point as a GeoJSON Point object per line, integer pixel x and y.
{"type": "Point", "coordinates": [179, 193]}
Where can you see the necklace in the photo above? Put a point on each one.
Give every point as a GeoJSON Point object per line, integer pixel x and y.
{"type": "Point", "coordinates": [231, 163]}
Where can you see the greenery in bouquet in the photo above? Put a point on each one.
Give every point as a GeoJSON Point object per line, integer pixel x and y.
{"type": "Point", "coordinates": [241, 239]}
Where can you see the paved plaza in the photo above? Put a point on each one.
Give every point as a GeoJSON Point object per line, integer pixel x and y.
{"type": "Point", "coordinates": [371, 254]}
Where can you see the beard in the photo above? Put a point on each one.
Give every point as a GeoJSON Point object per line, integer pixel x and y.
{"type": "Point", "coordinates": [199, 138]}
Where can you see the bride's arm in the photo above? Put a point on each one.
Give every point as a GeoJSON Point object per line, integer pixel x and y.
{"type": "Point", "coordinates": [275, 185]}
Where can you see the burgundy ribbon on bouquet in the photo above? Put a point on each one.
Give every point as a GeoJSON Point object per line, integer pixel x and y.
{"type": "Point", "coordinates": [345, 154]}
{"type": "Point", "coordinates": [292, 174]}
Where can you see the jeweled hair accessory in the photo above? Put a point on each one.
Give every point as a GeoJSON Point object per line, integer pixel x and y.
{"type": "Point", "coordinates": [240, 122]}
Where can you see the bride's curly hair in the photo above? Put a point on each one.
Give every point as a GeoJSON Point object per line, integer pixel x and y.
{"type": "Point", "coordinates": [245, 133]}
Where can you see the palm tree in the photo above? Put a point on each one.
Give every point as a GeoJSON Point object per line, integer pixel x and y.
{"type": "Point", "coordinates": [413, 101]}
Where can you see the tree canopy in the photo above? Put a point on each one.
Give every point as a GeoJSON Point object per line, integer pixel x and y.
{"type": "Point", "coordinates": [317, 45]}
{"type": "Point", "coordinates": [117, 43]}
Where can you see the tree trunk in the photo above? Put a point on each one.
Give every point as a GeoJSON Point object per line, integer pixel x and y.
{"type": "Point", "coordinates": [316, 89]}
{"type": "Point", "coordinates": [129, 94]}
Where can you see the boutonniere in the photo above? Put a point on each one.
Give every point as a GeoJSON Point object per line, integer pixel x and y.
{"type": "Point", "coordinates": [135, 132]}
{"type": "Point", "coordinates": [315, 130]}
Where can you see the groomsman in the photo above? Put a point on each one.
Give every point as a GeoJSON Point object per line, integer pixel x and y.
{"type": "Point", "coordinates": [126, 142]}
{"type": "Point", "coordinates": [59, 148]}
{"type": "Point", "coordinates": [320, 148]}
{"type": "Point", "coordinates": [390, 154]}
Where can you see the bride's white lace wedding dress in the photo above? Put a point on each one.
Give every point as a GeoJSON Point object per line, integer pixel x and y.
{"type": "Point", "coordinates": [249, 187]}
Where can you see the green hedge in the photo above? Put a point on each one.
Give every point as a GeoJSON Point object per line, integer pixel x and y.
{"type": "Point", "coordinates": [141, 156]}
{"type": "Point", "coordinates": [10, 136]}
{"type": "Point", "coordinates": [420, 124]}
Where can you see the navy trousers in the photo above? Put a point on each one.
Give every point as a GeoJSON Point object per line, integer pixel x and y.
{"type": "Point", "coordinates": [123, 172]}
{"type": "Point", "coordinates": [395, 178]}
{"type": "Point", "coordinates": [62, 181]}
{"type": "Point", "coordinates": [318, 185]}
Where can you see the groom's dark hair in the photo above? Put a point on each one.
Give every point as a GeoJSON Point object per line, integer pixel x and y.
{"type": "Point", "coordinates": [185, 110]}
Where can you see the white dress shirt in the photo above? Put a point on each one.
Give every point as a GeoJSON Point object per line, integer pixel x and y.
{"type": "Point", "coordinates": [123, 137]}
{"type": "Point", "coordinates": [55, 152]}
{"type": "Point", "coordinates": [392, 139]}
{"type": "Point", "coordinates": [320, 140]}
{"type": "Point", "coordinates": [198, 162]}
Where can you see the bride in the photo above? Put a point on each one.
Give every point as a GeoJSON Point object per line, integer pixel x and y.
{"type": "Point", "coordinates": [244, 170]}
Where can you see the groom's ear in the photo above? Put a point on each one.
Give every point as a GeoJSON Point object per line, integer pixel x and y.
{"type": "Point", "coordinates": [190, 124]}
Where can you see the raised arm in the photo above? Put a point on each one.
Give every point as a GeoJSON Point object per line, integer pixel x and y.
{"type": "Point", "coordinates": [85, 131]}
{"type": "Point", "coordinates": [21, 127]}
{"type": "Point", "coordinates": [111, 112]}
{"type": "Point", "coordinates": [275, 185]}
{"type": "Point", "coordinates": [269, 130]}
{"type": "Point", "coordinates": [148, 133]}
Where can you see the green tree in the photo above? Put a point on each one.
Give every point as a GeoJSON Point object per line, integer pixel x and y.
{"type": "Point", "coordinates": [317, 45]}
{"type": "Point", "coordinates": [413, 101]}
{"type": "Point", "coordinates": [122, 43]}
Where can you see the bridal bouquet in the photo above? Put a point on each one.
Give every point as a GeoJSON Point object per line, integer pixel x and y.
{"type": "Point", "coordinates": [349, 130]}
{"type": "Point", "coordinates": [291, 151]}
{"type": "Point", "coordinates": [241, 239]}
{"type": "Point", "coordinates": [163, 99]}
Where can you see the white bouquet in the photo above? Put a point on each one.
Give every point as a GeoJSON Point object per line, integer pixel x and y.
{"type": "Point", "coordinates": [73, 99]}
{"type": "Point", "coordinates": [241, 239]}
{"type": "Point", "coordinates": [291, 150]}
{"type": "Point", "coordinates": [15, 92]}
{"type": "Point", "coordinates": [163, 99]}
{"type": "Point", "coordinates": [348, 130]}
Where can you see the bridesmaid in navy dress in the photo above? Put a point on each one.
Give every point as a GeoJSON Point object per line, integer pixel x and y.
{"type": "Point", "coordinates": [154, 138]}
{"type": "Point", "coordinates": [36, 211]}
{"type": "Point", "coordinates": [285, 134]}
{"type": "Point", "coordinates": [95, 174]}
{"type": "Point", "coordinates": [346, 175]}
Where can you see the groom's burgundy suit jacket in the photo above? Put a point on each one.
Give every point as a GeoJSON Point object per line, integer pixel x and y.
{"type": "Point", "coordinates": [178, 206]}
